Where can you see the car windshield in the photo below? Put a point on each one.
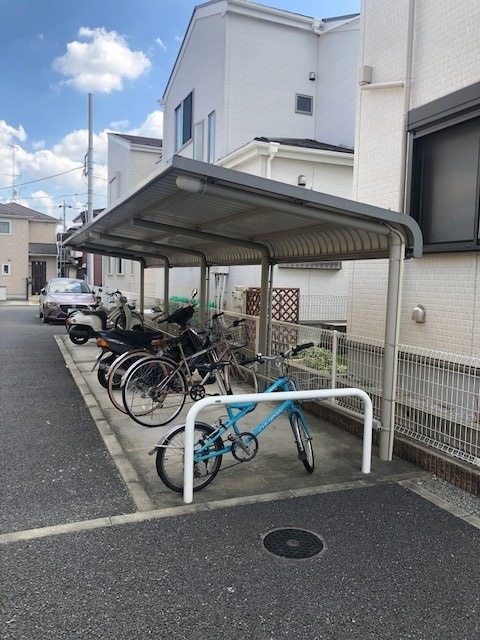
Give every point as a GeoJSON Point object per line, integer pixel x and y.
{"type": "Point", "coordinates": [69, 286]}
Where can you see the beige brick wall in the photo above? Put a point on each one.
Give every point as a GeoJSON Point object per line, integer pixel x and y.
{"type": "Point", "coordinates": [14, 252]}
{"type": "Point", "coordinates": [446, 56]}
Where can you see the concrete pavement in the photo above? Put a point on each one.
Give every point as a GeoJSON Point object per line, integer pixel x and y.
{"type": "Point", "coordinates": [388, 561]}
{"type": "Point", "coordinates": [275, 468]}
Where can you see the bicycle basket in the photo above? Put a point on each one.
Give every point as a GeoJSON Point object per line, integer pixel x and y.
{"type": "Point", "coordinates": [181, 316]}
{"type": "Point", "coordinates": [237, 336]}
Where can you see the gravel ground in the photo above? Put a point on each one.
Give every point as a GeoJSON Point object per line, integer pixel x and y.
{"type": "Point", "coordinates": [448, 492]}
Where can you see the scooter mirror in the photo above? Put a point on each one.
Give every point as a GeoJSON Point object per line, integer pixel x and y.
{"type": "Point", "coordinates": [194, 293]}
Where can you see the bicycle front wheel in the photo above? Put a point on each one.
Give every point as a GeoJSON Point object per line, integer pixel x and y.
{"type": "Point", "coordinates": [154, 392]}
{"type": "Point", "coordinates": [303, 440]}
{"type": "Point", "coordinates": [171, 455]}
{"type": "Point", "coordinates": [116, 372]}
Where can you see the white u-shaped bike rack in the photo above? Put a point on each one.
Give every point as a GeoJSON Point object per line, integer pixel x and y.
{"type": "Point", "coordinates": [280, 396]}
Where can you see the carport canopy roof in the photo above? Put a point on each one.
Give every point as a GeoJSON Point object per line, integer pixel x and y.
{"type": "Point", "coordinates": [193, 213]}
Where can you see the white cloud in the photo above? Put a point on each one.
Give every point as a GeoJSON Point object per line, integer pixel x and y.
{"type": "Point", "coordinates": [161, 44]}
{"type": "Point", "coordinates": [101, 62]}
{"type": "Point", "coordinates": [9, 134]}
{"type": "Point", "coordinates": [38, 144]}
{"type": "Point", "coordinates": [59, 170]}
{"type": "Point", "coordinates": [151, 127]}
{"type": "Point", "coordinates": [119, 125]}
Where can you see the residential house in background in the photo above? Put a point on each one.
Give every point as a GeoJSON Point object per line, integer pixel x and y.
{"type": "Point", "coordinates": [28, 251]}
{"type": "Point", "coordinates": [130, 160]}
{"type": "Point", "coordinates": [76, 262]}
{"type": "Point", "coordinates": [417, 150]}
{"type": "Point", "coordinates": [271, 93]}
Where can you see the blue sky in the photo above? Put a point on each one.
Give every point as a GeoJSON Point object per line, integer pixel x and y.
{"type": "Point", "coordinates": [55, 52]}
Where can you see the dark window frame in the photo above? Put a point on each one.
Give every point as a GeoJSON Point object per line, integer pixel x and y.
{"type": "Point", "coordinates": [303, 96]}
{"type": "Point", "coordinates": [184, 116]}
{"type": "Point", "coordinates": [451, 115]}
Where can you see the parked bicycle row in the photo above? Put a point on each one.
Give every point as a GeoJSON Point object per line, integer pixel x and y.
{"type": "Point", "coordinates": [151, 375]}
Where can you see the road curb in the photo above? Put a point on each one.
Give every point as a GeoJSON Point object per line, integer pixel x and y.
{"type": "Point", "coordinates": [125, 468]}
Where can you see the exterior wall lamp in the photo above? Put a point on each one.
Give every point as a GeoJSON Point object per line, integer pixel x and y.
{"type": "Point", "coordinates": [419, 313]}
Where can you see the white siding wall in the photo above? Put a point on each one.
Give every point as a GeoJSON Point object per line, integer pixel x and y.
{"type": "Point", "coordinates": [263, 78]}
{"type": "Point", "coordinates": [445, 58]}
{"type": "Point", "coordinates": [119, 164]}
{"type": "Point", "coordinates": [131, 166]}
{"type": "Point", "coordinates": [201, 70]}
{"type": "Point", "coordinates": [337, 85]}
{"type": "Point", "coordinates": [143, 163]}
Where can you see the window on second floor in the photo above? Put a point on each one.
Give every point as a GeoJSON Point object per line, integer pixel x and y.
{"type": "Point", "coordinates": [5, 227]}
{"type": "Point", "coordinates": [5, 269]}
{"type": "Point", "coordinates": [183, 122]}
{"type": "Point", "coordinates": [198, 141]}
{"type": "Point", "coordinates": [304, 104]}
{"type": "Point", "coordinates": [445, 171]}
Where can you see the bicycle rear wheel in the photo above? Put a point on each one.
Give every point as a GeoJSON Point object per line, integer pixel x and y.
{"type": "Point", "coordinates": [303, 440]}
{"type": "Point", "coordinates": [154, 392]}
{"type": "Point", "coordinates": [171, 455]}
{"type": "Point", "coordinates": [114, 376]}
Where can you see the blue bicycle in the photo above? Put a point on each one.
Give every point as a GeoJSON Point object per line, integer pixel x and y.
{"type": "Point", "coordinates": [214, 441]}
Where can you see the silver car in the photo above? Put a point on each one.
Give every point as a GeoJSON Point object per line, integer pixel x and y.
{"type": "Point", "coordinates": [62, 295]}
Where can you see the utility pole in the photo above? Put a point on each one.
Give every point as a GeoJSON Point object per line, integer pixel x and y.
{"type": "Point", "coordinates": [14, 175]}
{"type": "Point", "coordinates": [89, 173]}
{"type": "Point", "coordinates": [61, 248]}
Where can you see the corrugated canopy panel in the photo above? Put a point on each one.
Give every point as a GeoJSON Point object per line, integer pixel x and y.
{"type": "Point", "coordinates": [194, 211]}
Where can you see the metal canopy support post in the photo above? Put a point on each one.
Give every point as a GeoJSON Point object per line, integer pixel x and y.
{"type": "Point", "coordinates": [166, 286]}
{"type": "Point", "coordinates": [203, 290]}
{"type": "Point", "coordinates": [279, 396]}
{"type": "Point", "coordinates": [264, 305]}
{"type": "Point", "coordinates": [390, 360]}
{"type": "Point", "coordinates": [142, 288]}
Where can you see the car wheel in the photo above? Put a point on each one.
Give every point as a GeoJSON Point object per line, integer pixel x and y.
{"type": "Point", "coordinates": [45, 319]}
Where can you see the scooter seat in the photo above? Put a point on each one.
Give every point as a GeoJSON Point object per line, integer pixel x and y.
{"type": "Point", "coordinates": [137, 337]}
{"type": "Point", "coordinates": [100, 314]}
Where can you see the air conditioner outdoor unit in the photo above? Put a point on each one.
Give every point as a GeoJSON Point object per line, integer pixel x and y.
{"type": "Point", "coordinates": [239, 298]}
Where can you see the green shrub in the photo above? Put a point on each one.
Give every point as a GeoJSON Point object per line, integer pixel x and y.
{"type": "Point", "coordinates": [320, 359]}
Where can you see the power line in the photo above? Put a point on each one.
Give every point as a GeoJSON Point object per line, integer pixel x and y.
{"type": "Point", "coordinates": [22, 184]}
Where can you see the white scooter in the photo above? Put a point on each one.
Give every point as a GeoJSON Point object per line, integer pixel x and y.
{"type": "Point", "coordinates": [84, 324]}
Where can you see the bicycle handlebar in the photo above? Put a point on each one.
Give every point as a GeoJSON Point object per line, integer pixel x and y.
{"type": "Point", "coordinates": [290, 352]}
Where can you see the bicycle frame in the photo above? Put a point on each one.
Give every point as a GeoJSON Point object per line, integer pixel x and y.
{"type": "Point", "coordinates": [184, 365]}
{"type": "Point", "coordinates": [237, 411]}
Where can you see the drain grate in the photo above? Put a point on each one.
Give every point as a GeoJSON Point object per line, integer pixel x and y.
{"type": "Point", "coordinates": [295, 544]}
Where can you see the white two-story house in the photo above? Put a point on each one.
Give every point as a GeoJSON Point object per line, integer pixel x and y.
{"type": "Point", "coordinates": [130, 160]}
{"type": "Point", "coordinates": [271, 93]}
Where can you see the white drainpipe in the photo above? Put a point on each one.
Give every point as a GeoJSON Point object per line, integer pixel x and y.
{"type": "Point", "coordinates": [406, 105]}
{"type": "Point", "coordinates": [272, 152]}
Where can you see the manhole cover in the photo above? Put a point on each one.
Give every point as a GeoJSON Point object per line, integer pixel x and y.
{"type": "Point", "coordinates": [296, 544]}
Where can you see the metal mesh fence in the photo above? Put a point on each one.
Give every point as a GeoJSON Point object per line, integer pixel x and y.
{"type": "Point", "coordinates": [438, 393]}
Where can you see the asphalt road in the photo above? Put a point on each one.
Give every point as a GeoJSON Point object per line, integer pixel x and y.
{"type": "Point", "coordinates": [392, 564]}
{"type": "Point", "coordinates": [55, 468]}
